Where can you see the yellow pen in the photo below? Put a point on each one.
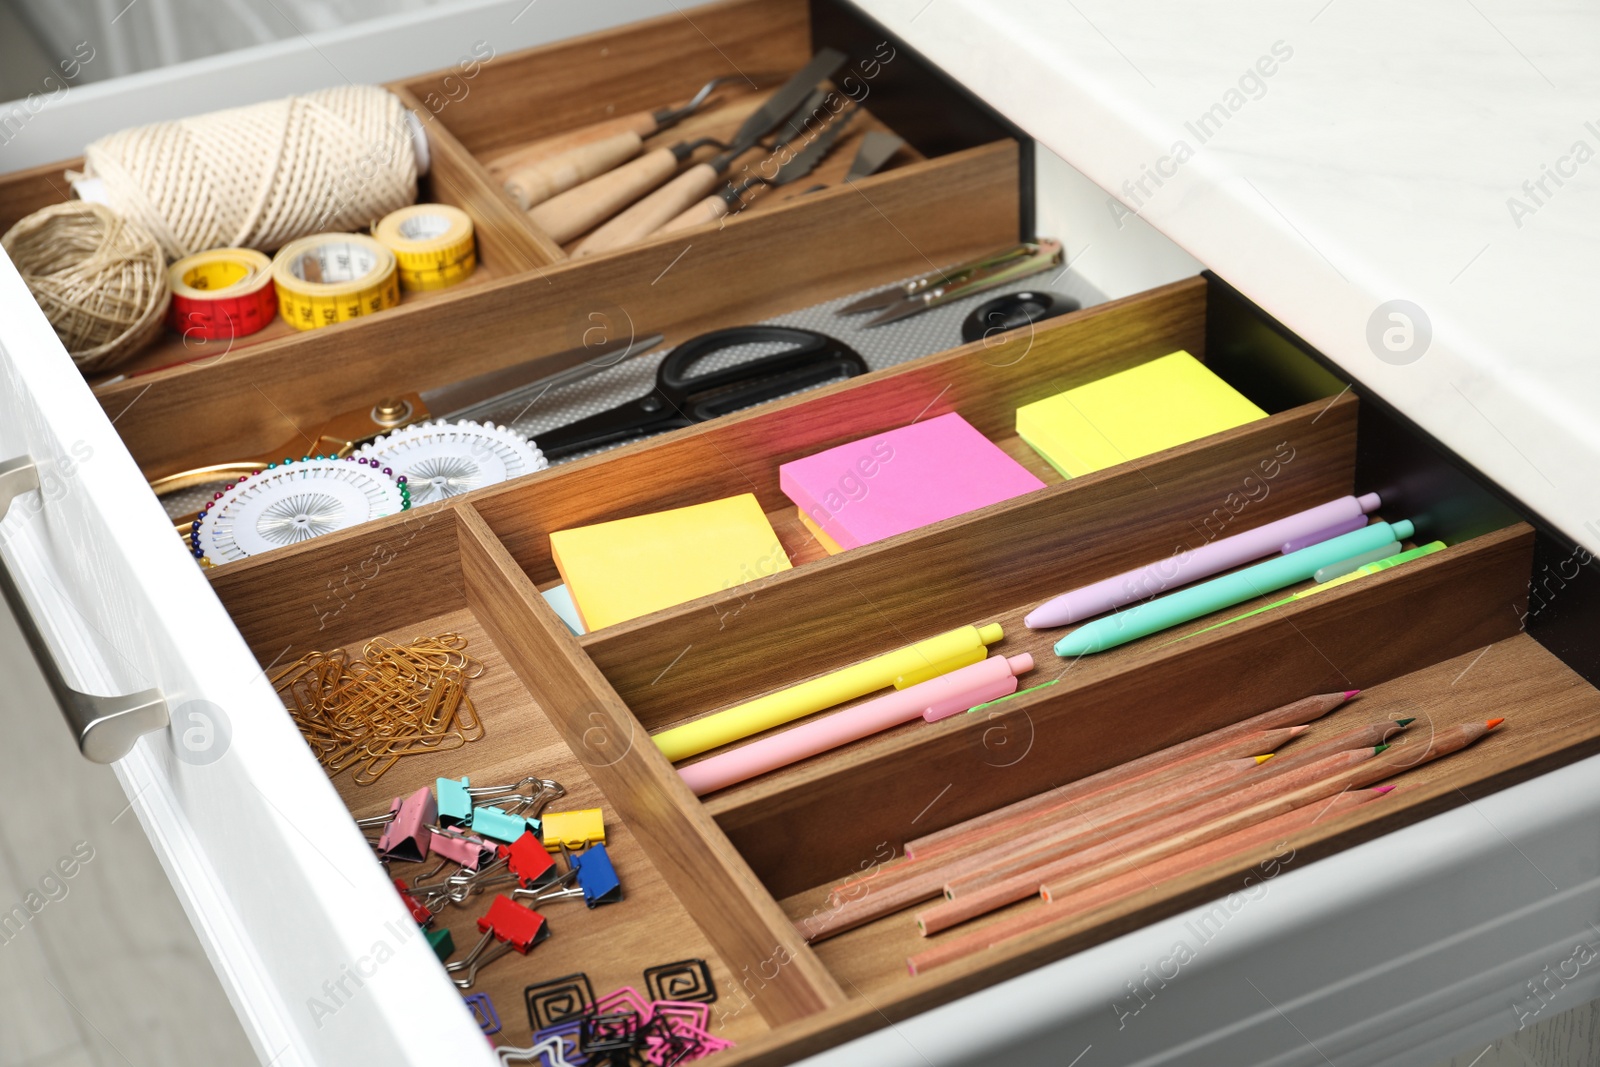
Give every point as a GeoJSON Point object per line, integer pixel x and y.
{"type": "Point", "coordinates": [901, 668]}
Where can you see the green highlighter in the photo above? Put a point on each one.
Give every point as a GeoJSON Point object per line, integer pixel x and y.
{"type": "Point", "coordinates": [1393, 560]}
{"type": "Point", "coordinates": [1174, 609]}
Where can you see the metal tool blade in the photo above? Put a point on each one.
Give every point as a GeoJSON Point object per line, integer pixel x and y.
{"type": "Point", "coordinates": [806, 160]}
{"type": "Point", "coordinates": [482, 393]}
{"type": "Point", "coordinates": [781, 104]}
{"type": "Point", "coordinates": [893, 294]}
{"type": "Point", "coordinates": [877, 147]}
{"type": "Point", "coordinates": [991, 274]}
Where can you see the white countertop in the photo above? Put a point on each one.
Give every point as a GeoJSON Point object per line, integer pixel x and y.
{"type": "Point", "coordinates": [1382, 158]}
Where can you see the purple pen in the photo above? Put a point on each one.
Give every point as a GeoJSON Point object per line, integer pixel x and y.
{"type": "Point", "coordinates": [1212, 558]}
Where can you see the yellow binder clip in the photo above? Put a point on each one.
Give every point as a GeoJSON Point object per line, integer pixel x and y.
{"type": "Point", "coordinates": [574, 829]}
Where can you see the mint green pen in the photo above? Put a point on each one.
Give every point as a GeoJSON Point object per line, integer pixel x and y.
{"type": "Point", "coordinates": [1185, 605]}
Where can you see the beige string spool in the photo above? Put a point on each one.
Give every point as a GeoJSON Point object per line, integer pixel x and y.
{"type": "Point", "coordinates": [100, 279]}
{"type": "Point", "coordinates": [264, 175]}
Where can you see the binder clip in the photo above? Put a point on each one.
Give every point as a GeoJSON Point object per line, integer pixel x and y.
{"type": "Point", "coordinates": [506, 927]}
{"type": "Point", "coordinates": [483, 1012]}
{"type": "Point", "coordinates": [574, 829]}
{"type": "Point", "coordinates": [457, 847]}
{"type": "Point", "coordinates": [443, 945]}
{"type": "Point", "coordinates": [405, 837]}
{"type": "Point", "coordinates": [419, 913]}
{"type": "Point", "coordinates": [498, 824]}
{"type": "Point", "coordinates": [457, 797]}
{"type": "Point", "coordinates": [558, 1000]}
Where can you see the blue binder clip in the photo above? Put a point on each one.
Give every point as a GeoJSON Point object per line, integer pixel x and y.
{"type": "Point", "coordinates": [597, 877]}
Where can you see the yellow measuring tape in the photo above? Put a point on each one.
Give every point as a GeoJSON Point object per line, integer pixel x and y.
{"type": "Point", "coordinates": [431, 242]}
{"type": "Point", "coordinates": [334, 277]}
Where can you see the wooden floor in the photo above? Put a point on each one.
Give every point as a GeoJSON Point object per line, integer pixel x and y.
{"type": "Point", "coordinates": [109, 973]}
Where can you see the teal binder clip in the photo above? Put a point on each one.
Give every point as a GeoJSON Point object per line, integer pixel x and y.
{"type": "Point", "coordinates": [500, 825]}
{"type": "Point", "coordinates": [454, 801]}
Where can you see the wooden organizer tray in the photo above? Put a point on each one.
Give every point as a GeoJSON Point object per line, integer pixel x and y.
{"type": "Point", "coordinates": [527, 297]}
{"type": "Point", "coordinates": [746, 861]}
{"type": "Point", "coordinates": [642, 67]}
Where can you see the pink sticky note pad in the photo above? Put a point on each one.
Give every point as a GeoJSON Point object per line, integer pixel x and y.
{"type": "Point", "coordinates": [901, 480]}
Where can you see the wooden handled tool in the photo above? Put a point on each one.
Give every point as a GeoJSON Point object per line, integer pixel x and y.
{"type": "Point", "coordinates": [797, 165]}
{"type": "Point", "coordinates": [650, 214]}
{"type": "Point", "coordinates": [533, 185]}
{"type": "Point", "coordinates": [643, 123]}
{"type": "Point", "coordinates": [565, 216]}
{"type": "Point", "coordinates": [655, 210]}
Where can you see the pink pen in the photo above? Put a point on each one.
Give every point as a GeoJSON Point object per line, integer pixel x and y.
{"type": "Point", "coordinates": [1211, 558]}
{"type": "Point", "coordinates": [968, 684]}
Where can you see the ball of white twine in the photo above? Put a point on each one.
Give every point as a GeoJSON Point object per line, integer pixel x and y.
{"type": "Point", "coordinates": [264, 175]}
{"type": "Point", "coordinates": [100, 279]}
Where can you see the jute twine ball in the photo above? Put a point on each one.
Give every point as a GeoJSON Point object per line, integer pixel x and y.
{"type": "Point", "coordinates": [101, 279]}
{"type": "Point", "coordinates": [261, 176]}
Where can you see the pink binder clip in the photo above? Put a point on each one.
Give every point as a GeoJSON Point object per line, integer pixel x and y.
{"type": "Point", "coordinates": [406, 836]}
{"type": "Point", "coordinates": [458, 847]}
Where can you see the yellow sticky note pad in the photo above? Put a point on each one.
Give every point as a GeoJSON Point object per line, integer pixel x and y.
{"type": "Point", "coordinates": [622, 569]}
{"type": "Point", "coordinates": [1156, 405]}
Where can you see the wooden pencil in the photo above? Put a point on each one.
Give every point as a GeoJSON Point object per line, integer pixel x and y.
{"type": "Point", "coordinates": [1056, 838]}
{"type": "Point", "coordinates": [1280, 794]}
{"type": "Point", "coordinates": [1130, 883]}
{"type": "Point", "coordinates": [900, 886]}
{"type": "Point", "coordinates": [1201, 776]}
{"type": "Point", "coordinates": [1298, 713]}
{"type": "Point", "coordinates": [1052, 843]}
{"type": "Point", "coordinates": [1170, 836]}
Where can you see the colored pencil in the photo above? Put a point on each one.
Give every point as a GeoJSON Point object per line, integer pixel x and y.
{"type": "Point", "coordinates": [1115, 890]}
{"type": "Point", "coordinates": [1297, 713]}
{"type": "Point", "coordinates": [1287, 791]}
{"type": "Point", "coordinates": [1169, 836]}
{"type": "Point", "coordinates": [895, 888]}
{"type": "Point", "coordinates": [1051, 843]}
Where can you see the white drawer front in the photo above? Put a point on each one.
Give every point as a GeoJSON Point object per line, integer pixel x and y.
{"type": "Point", "coordinates": [318, 955]}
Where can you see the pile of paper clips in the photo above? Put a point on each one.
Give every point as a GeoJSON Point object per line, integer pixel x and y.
{"type": "Point", "coordinates": [395, 701]}
{"type": "Point", "coordinates": [493, 839]}
{"type": "Point", "coordinates": [622, 1029]}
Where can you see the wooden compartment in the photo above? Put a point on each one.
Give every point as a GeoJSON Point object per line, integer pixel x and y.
{"type": "Point", "coordinates": [747, 860]}
{"type": "Point", "coordinates": [527, 298]}
{"type": "Point", "coordinates": [686, 890]}
{"type": "Point", "coordinates": [647, 67]}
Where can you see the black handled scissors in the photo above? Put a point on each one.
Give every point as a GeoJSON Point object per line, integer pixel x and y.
{"type": "Point", "coordinates": [680, 400]}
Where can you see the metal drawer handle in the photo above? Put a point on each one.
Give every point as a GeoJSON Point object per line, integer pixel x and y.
{"type": "Point", "coordinates": [105, 727]}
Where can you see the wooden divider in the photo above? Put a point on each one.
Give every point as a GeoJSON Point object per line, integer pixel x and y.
{"type": "Point", "coordinates": [833, 243]}
{"type": "Point", "coordinates": [721, 648]}
{"type": "Point", "coordinates": [709, 877]}
{"type": "Point", "coordinates": [740, 453]}
{"type": "Point", "coordinates": [1120, 705]}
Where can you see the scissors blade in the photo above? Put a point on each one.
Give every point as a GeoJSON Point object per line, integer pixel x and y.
{"type": "Point", "coordinates": [478, 393]}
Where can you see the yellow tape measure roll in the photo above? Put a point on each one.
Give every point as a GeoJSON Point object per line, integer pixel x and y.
{"type": "Point", "coordinates": [432, 243]}
{"type": "Point", "coordinates": [334, 277]}
{"type": "Point", "coordinates": [221, 294]}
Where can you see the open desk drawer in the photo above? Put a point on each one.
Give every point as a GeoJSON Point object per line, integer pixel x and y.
{"type": "Point", "coordinates": [317, 952]}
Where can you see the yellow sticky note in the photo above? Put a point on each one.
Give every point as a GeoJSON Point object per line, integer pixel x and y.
{"type": "Point", "coordinates": [1156, 405]}
{"type": "Point", "coordinates": [622, 569]}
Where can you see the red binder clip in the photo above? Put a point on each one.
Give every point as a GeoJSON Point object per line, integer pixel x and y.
{"type": "Point", "coordinates": [505, 927]}
{"type": "Point", "coordinates": [418, 912]}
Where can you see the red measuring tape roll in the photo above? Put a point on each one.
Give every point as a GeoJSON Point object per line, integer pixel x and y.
{"type": "Point", "coordinates": [221, 294]}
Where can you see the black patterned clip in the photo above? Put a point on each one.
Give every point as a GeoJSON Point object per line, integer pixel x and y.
{"type": "Point", "coordinates": [558, 999]}
{"type": "Point", "coordinates": [682, 980]}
